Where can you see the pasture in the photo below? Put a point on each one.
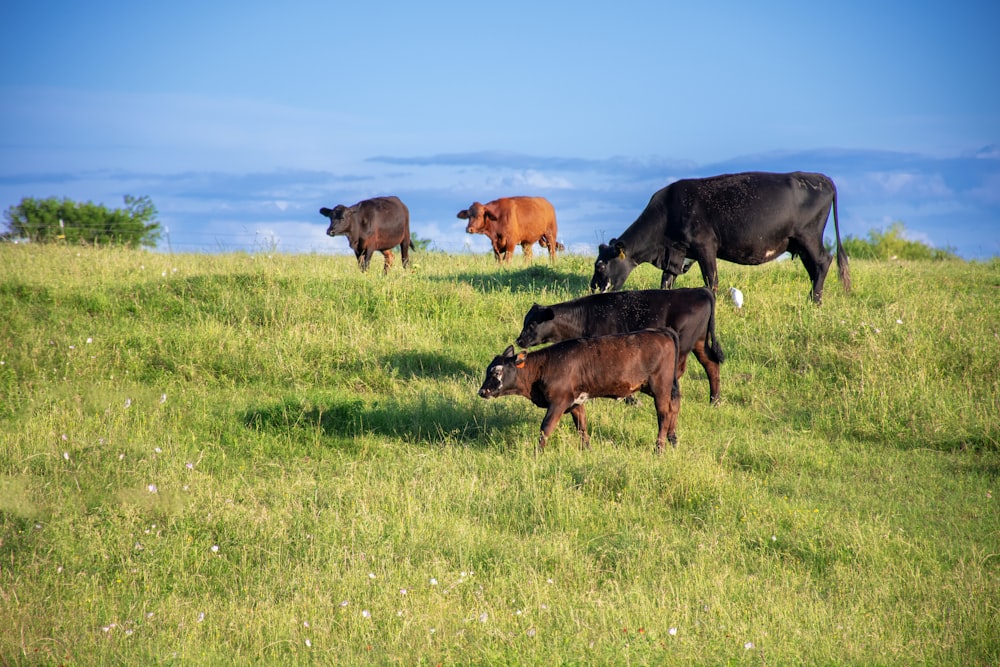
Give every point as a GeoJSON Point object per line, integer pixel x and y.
{"type": "Point", "coordinates": [275, 459]}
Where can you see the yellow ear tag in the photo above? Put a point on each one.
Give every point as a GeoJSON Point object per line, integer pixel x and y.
{"type": "Point", "coordinates": [621, 254]}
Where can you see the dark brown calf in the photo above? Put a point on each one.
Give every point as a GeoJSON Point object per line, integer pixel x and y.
{"type": "Point", "coordinates": [561, 377]}
{"type": "Point", "coordinates": [689, 311]}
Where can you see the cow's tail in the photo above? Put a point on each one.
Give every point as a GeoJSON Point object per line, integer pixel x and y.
{"type": "Point", "coordinates": [712, 347]}
{"type": "Point", "coordinates": [842, 267]}
{"type": "Point", "coordinates": [675, 390]}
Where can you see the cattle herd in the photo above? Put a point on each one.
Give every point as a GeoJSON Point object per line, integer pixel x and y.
{"type": "Point", "coordinates": [612, 344]}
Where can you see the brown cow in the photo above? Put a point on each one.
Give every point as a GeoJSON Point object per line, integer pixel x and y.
{"type": "Point", "coordinates": [689, 311]}
{"type": "Point", "coordinates": [563, 376]}
{"type": "Point", "coordinates": [513, 221]}
{"type": "Point", "coordinates": [379, 224]}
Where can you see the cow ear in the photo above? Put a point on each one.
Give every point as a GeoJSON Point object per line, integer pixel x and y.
{"type": "Point", "coordinates": [509, 352]}
{"type": "Point", "coordinates": [463, 214]}
{"type": "Point", "coordinates": [546, 314]}
{"type": "Point", "coordinates": [519, 362]}
{"type": "Point", "coordinates": [489, 211]}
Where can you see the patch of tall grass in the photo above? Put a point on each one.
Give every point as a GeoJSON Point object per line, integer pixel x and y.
{"type": "Point", "coordinates": [269, 458]}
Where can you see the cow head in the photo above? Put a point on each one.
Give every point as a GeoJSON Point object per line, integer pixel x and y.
{"type": "Point", "coordinates": [535, 332]}
{"type": "Point", "coordinates": [612, 267]}
{"type": "Point", "coordinates": [476, 215]}
{"type": "Point", "coordinates": [341, 218]}
{"type": "Point", "coordinates": [501, 374]}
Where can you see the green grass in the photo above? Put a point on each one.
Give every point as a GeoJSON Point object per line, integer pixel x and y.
{"type": "Point", "coordinates": [276, 459]}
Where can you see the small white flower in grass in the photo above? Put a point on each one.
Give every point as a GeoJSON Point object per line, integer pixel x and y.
{"type": "Point", "coordinates": [138, 546]}
{"type": "Point", "coordinates": [365, 613]}
{"type": "Point", "coordinates": [189, 466]}
{"type": "Point", "coordinates": [64, 437]}
{"type": "Point", "coordinates": [402, 591]}
{"type": "Point", "coordinates": [163, 399]}
{"type": "Point", "coordinates": [128, 632]}
{"type": "Point", "coordinates": [215, 548]}
{"type": "Point", "coordinates": [59, 569]}
{"type": "Point", "coordinates": [157, 450]}
{"type": "Point", "coordinates": [672, 631]}
{"type": "Point", "coordinates": [152, 488]}
{"type": "Point", "coordinates": [344, 603]}
{"type": "Point", "coordinates": [201, 617]}
{"type": "Point", "coordinates": [371, 575]}
{"type": "Point", "coordinates": [128, 403]}
{"type": "Point", "coordinates": [774, 538]}
{"type": "Point", "coordinates": [121, 457]}
{"type": "Point", "coordinates": [483, 617]}
{"type": "Point", "coordinates": [305, 624]}
{"type": "Point", "coordinates": [72, 347]}
{"type": "Point", "coordinates": [149, 615]}
{"type": "Point", "coordinates": [748, 645]}
{"type": "Point", "coordinates": [308, 644]}
{"type": "Point", "coordinates": [434, 582]}
{"type": "Point", "coordinates": [89, 340]}
{"type": "Point", "coordinates": [66, 455]}
{"type": "Point", "coordinates": [530, 632]}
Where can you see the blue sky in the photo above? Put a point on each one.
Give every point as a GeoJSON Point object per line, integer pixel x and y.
{"type": "Point", "coordinates": [241, 120]}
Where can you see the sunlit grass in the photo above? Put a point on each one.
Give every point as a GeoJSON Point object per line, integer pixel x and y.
{"type": "Point", "coordinates": [278, 459]}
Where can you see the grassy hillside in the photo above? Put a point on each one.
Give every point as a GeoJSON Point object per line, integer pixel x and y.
{"type": "Point", "coordinates": [277, 459]}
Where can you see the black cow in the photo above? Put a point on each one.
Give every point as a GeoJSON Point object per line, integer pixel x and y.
{"type": "Point", "coordinates": [562, 377]}
{"type": "Point", "coordinates": [689, 311]}
{"type": "Point", "coordinates": [381, 223]}
{"type": "Point", "coordinates": [748, 218]}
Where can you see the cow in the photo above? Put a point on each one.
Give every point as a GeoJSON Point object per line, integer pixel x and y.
{"type": "Point", "coordinates": [689, 311]}
{"type": "Point", "coordinates": [381, 223]}
{"type": "Point", "coordinates": [747, 218]}
{"type": "Point", "coordinates": [513, 221]}
{"type": "Point", "coordinates": [563, 376]}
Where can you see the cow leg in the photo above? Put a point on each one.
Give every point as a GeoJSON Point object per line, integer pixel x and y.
{"type": "Point", "coordinates": [549, 422]}
{"type": "Point", "coordinates": [388, 260]}
{"type": "Point", "coordinates": [709, 271]}
{"type": "Point", "coordinates": [668, 407]}
{"type": "Point", "coordinates": [364, 257]}
{"type": "Point", "coordinates": [527, 250]}
{"type": "Point", "coordinates": [510, 252]}
{"type": "Point", "coordinates": [817, 262]}
{"type": "Point", "coordinates": [580, 419]}
{"type": "Point", "coordinates": [667, 280]}
{"type": "Point", "coordinates": [404, 250]}
{"type": "Point", "coordinates": [711, 370]}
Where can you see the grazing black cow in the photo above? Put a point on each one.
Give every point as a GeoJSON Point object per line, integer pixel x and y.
{"type": "Point", "coordinates": [747, 218]}
{"type": "Point", "coordinates": [381, 223]}
{"type": "Point", "coordinates": [563, 376]}
{"type": "Point", "coordinates": [689, 311]}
